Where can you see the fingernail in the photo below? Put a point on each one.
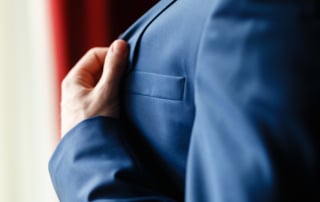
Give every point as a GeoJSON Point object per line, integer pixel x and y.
{"type": "Point", "coordinates": [120, 47]}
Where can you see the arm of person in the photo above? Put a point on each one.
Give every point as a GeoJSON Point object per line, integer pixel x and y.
{"type": "Point", "coordinates": [92, 161]}
{"type": "Point", "coordinates": [256, 130]}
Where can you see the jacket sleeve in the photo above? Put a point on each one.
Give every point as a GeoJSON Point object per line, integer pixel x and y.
{"type": "Point", "coordinates": [256, 130]}
{"type": "Point", "coordinates": [92, 163]}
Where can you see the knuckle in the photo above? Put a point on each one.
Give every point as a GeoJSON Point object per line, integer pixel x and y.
{"type": "Point", "coordinates": [65, 84]}
{"type": "Point", "coordinates": [69, 84]}
{"type": "Point", "coordinates": [92, 51]}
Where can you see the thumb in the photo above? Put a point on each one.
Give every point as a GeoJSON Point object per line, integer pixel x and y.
{"type": "Point", "coordinates": [114, 65]}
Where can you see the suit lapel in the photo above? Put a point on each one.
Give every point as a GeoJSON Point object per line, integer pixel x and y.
{"type": "Point", "coordinates": [134, 33]}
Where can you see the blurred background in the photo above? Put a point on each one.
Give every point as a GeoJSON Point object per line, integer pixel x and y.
{"type": "Point", "coordinates": [40, 40]}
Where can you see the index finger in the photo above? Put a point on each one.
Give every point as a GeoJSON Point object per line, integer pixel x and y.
{"type": "Point", "coordinates": [92, 62]}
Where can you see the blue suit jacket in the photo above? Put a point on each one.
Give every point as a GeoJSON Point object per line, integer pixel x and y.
{"type": "Point", "coordinates": [220, 103]}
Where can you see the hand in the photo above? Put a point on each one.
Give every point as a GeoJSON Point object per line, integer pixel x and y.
{"type": "Point", "coordinates": [92, 86]}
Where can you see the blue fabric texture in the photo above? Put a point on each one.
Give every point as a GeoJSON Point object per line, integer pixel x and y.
{"type": "Point", "coordinates": [220, 103]}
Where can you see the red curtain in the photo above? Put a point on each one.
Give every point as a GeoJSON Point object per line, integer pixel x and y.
{"type": "Point", "coordinates": [79, 25]}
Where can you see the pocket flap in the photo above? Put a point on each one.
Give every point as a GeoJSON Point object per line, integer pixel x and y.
{"type": "Point", "coordinates": [156, 85]}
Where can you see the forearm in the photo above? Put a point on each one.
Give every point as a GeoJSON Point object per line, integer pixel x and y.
{"type": "Point", "coordinates": [93, 163]}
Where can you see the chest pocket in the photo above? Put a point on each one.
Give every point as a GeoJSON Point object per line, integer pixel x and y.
{"type": "Point", "coordinates": [156, 85]}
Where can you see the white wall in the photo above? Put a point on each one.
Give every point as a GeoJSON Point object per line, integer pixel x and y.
{"type": "Point", "coordinates": [27, 101]}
